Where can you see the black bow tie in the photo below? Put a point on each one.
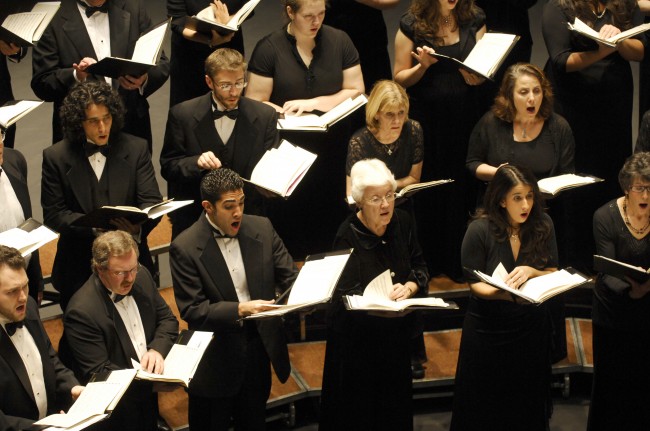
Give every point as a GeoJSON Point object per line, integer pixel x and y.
{"type": "Point", "coordinates": [90, 10]}
{"type": "Point", "coordinates": [119, 297]}
{"type": "Point", "coordinates": [12, 326]}
{"type": "Point", "coordinates": [232, 114]}
{"type": "Point", "coordinates": [91, 149]}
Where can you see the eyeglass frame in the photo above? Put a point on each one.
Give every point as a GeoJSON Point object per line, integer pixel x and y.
{"type": "Point", "coordinates": [227, 86]}
{"type": "Point", "coordinates": [122, 274]}
{"type": "Point", "coordinates": [640, 189]}
{"type": "Point", "coordinates": [376, 200]}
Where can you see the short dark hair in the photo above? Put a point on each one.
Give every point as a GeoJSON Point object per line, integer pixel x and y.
{"type": "Point", "coordinates": [504, 102]}
{"type": "Point", "coordinates": [113, 243]}
{"type": "Point", "coordinates": [12, 258]}
{"type": "Point", "coordinates": [80, 97]}
{"type": "Point", "coordinates": [219, 181]}
{"type": "Point", "coordinates": [636, 166]}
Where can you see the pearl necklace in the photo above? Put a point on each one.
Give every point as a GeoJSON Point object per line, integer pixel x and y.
{"type": "Point", "coordinates": [627, 221]}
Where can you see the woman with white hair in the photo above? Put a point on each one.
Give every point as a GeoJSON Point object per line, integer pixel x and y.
{"type": "Point", "coordinates": [367, 375]}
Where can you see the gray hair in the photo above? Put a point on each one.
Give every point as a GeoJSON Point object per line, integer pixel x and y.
{"type": "Point", "coordinates": [369, 173]}
{"type": "Point", "coordinates": [636, 166]}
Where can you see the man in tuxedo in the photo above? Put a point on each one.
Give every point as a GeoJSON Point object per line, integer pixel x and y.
{"type": "Point", "coordinates": [227, 266]}
{"type": "Point", "coordinates": [94, 166]}
{"type": "Point", "coordinates": [16, 207]}
{"type": "Point", "coordinates": [118, 316]}
{"type": "Point", "coordinates": [8, 51]}
{"type": "Point", "coordinates": [33, 382]}
{"type": "Point", "coordinates": [218, 129]}
{"type": "Point", "coordinates": [84, 32]}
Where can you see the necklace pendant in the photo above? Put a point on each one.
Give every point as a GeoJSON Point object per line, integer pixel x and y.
{"type": "Point", "coordinates": [390, 152]}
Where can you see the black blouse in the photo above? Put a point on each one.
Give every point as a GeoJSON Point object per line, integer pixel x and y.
{"type": "Point", "coordinates": [276, 56]}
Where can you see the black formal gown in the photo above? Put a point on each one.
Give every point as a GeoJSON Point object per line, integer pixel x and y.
{"type": "Point", "coordinates": [621, 337]}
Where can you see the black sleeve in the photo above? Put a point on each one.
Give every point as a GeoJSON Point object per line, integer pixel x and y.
{"type": "Point", "coordinates": [643, 140]}
{"type": "Point", "coordinates": [557, 36]}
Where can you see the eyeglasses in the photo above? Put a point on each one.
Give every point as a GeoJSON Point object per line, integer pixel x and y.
{"type": "Point", "coordinates": [227, 86]}
{"type": "Point", "coordinates": [95, 121]}
{"type": "Point", "coordinates": [122, 274]}
{"type": "Point", "coordinates": [640, 189]}
{"type": "Point", "coordinates": [376, 200]}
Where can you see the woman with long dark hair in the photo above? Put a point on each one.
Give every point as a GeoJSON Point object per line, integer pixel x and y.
{"type": "Point", "coordinates": [504, 368]}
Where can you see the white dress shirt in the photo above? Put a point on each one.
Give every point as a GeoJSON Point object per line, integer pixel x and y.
{"type": "Point", "coordinates": [26, 347]}
{"type": "Point", "coordinates": [100, 34]}
{"type": "Point", "coordinates": [224, 125]}
{"type": "Point", "coordinates": [232, 255]}
{"type": "Point", "coordinates": [130, 314]}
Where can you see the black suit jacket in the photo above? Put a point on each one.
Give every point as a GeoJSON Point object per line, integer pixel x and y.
{"type": "Point", "coordinates": [16, 397]}
{"type": "Point", "coordinates": [191, 132]}
{"type": "Point", "coordinates": [95, 332]}
{"type": "Point", "coordinates": [207, 299]}
{"type": "Point", "coordinates": [66, 42]}
{"type": "Point", "coordinates": [96, 340]}
{"type": "Point", "coordinates": [66, 195]}
{"type": "Point", "coordinates": [15, 167]}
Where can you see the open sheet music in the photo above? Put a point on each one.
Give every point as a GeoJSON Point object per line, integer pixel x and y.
{"type": "Point", "coordinates": [582, 28]}
{"type": "Point", "coordinates": [25, 28]}
{"type": "Point", "coordinates": [487, 55]}
{"type": "Point", "coordinates": [281, 169]}
{"type": "Point", "coordinates": [146, 54]}
{"type": "Point", "coordinates": [182, 360]}
{"type": "Point", "coordinates": [320, 123]}
{"type": "Point", "coordinates": [315, 283]}
{"type": "Point", "coordinates": [538, 289]}
{"type": "Point", "coordinates": [558, 183]}
{"type": "Point", "coordinates": [204, 21]}
{"type": "Point", "coordinates": [98, 399]}
{"type": "Point", "coordinates": [376, 298]}
{"type": "Point", "coordinates": [14, 110]}
{"type": "Point", "coordinates": [620, 270]}
{"type": "Point", "coordinates": [28, 237]}
{"type": "Point", "coordinates": [101, 217]}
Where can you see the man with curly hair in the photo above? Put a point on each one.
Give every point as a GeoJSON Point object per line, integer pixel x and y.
{"type": "Point", "coordinates": [93, 166]}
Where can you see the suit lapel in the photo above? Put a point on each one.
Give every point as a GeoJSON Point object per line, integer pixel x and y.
{"type": "Point", "coordinates": [119, 173]}
{"type": "Point", "coordinates": [205, 132]}
{"type": "Point", "coordinates": [75, 30]}
{"type": "Point", "coordinates": [251, 252]}
{"type": "Point", "coordinates": [20, 188]}
{"type": "Point", "coordinates": [79, 177]}
{"type": "Point", "coordinates": [12, 357]}
{"type": "Point", "coordinates": [215, 265]}
{"type": "Point", "coordinates": [245, 133]}
{"type": "Point", "coordinates": [118, 22]}
{"type": "Point", "coordinates": [114, 316]}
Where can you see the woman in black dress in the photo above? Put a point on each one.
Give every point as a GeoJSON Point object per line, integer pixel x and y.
{"type": "Point", "coordinates": [306, 67]}
{"type": "Point", "coordinates": [389, 136]}
{"type": "Point", "coordinates": [504, 369]}
{"type": "Point", "coordinates": [444, 100]}
{"type": "Point", "coordinates": [621, 309]}
{"type": "Point", "coordinates": [593, 90]}
{"type": "Point", "coordinates": [190, 48]}
{"type": "Point", "coordinates": [367, 376]}
{"type": "Point", "coordinates": [522, 129]}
